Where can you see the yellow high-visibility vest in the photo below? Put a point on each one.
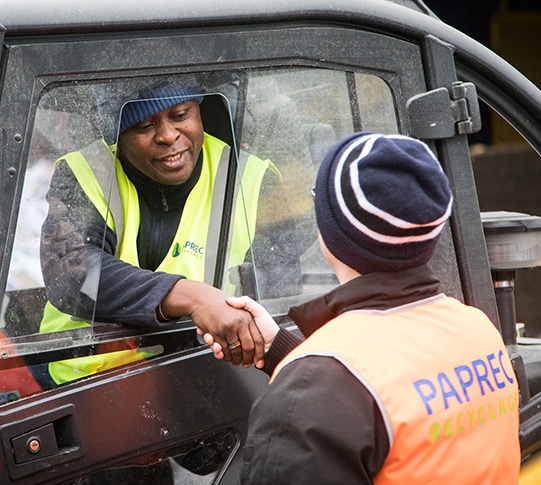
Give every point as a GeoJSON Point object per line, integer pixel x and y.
{"type": "Point", "coordinates": [193, 250]}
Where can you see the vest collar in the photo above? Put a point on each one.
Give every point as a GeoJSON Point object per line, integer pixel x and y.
{"type": "Point", "coordinates": [377, 291]}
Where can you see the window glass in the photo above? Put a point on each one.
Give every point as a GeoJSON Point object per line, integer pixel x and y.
{"type": "Point", "coordinates": [375, 104]}
{"type": "Point", "coordinates": [55, 132]}
{"type": "Point", "coordinates": [71, 223]}
{"type": "Point", "coordinates": [64, 119]}
{"type": "Point", "coordinates": [292, 117]}
{"type": "Point", "coordinates": [82, 158]}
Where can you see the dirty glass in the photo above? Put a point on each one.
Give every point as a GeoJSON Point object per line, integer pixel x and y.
{"type": "Point", "coordinates": [292, 117]}
{"type": "Point", "coordinates": [284, 121]}
{"type": "Point", "coordinates": [68, 223]}
{"type": "Point", "coordinates": [64, 120]}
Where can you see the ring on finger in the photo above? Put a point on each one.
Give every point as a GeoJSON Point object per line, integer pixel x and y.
{"type": "Point", "coordinates": [234, 345]}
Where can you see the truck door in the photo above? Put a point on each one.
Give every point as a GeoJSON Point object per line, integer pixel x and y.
{"type": "Point", "coordinates": [280, 92]}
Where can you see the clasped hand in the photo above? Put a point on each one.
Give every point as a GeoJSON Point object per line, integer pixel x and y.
{"type": "Point", "coordinates": [267, 327]}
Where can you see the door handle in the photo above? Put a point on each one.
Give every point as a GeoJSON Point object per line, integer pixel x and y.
{"type": "Point", "coordinates": [42, 441]}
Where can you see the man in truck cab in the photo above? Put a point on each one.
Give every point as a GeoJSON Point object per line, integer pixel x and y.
{"type": "Point", "coordinates": [149, 257]}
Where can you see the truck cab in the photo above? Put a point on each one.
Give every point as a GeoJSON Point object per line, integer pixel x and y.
{"type": "Point", "coordinates": [283, 81]}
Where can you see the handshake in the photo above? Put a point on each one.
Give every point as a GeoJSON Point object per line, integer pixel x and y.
{"type": "Point", "coordinates": [266, 326]}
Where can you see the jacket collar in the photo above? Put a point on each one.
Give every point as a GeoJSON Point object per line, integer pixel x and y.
{"type": "Point", "coordinates": [376, 291]}
{"type": "Point", "coordinates": [154, 193]}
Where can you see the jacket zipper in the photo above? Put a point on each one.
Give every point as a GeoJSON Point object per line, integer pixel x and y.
{"type": "Point", "coordinates": [164, 200]}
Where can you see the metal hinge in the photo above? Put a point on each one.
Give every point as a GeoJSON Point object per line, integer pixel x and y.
{"type": "Point", "coordinates": [443, 113]}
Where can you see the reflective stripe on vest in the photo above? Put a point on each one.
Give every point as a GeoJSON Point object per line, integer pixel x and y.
{"type": "Point", "coordinates": [198, 232]}
{"type": "Point", "coordinates": [441, 376]}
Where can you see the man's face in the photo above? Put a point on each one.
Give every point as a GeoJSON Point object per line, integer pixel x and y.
{"type": "Point", "coordinates": [165, 146]}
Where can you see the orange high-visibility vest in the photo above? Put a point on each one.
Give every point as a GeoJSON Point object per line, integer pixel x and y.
{"type": "Point", "coordinates": [442, 379]}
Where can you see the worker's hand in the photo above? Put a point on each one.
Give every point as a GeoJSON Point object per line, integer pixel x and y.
{"type": "Point", "coordinates": [267, 326]}
{"type": "Point", "coordinates": [234, 329]}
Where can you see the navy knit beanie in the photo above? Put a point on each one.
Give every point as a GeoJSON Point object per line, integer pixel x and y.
{"type": "Point", "coordinates": [155, 99]}
{"type": "Point", "coordinates": [381, 202]}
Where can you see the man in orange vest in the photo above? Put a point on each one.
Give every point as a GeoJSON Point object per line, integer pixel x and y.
{"type": "Point", "coordinates": [396, 383]}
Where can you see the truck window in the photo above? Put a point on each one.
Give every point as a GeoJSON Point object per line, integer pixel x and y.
{"type": "Point", "coordinates": [283, 118]}
{"type": "Point", "coordinates": [292, 117]}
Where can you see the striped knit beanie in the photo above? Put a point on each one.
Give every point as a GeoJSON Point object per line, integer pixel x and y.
{"type": "Point", "coordinates": [155, 99]}
{"type": "Point", "coordinates": [381, 202]}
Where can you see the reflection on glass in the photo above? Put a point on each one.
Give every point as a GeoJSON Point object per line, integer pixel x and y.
{"type": "Point", "coordinates": [293, 116]}
{"type": "Point", "coordinates": [376, 105]}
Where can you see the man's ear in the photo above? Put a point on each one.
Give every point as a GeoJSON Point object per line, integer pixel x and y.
{"type": "Point", "coordinates": [342, 271]}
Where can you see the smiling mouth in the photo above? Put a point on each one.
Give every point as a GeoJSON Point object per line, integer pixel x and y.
{"type": "Point", "coordinates": [172, 158]}
{"type": "Point", "coordinates": [174, 162]}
